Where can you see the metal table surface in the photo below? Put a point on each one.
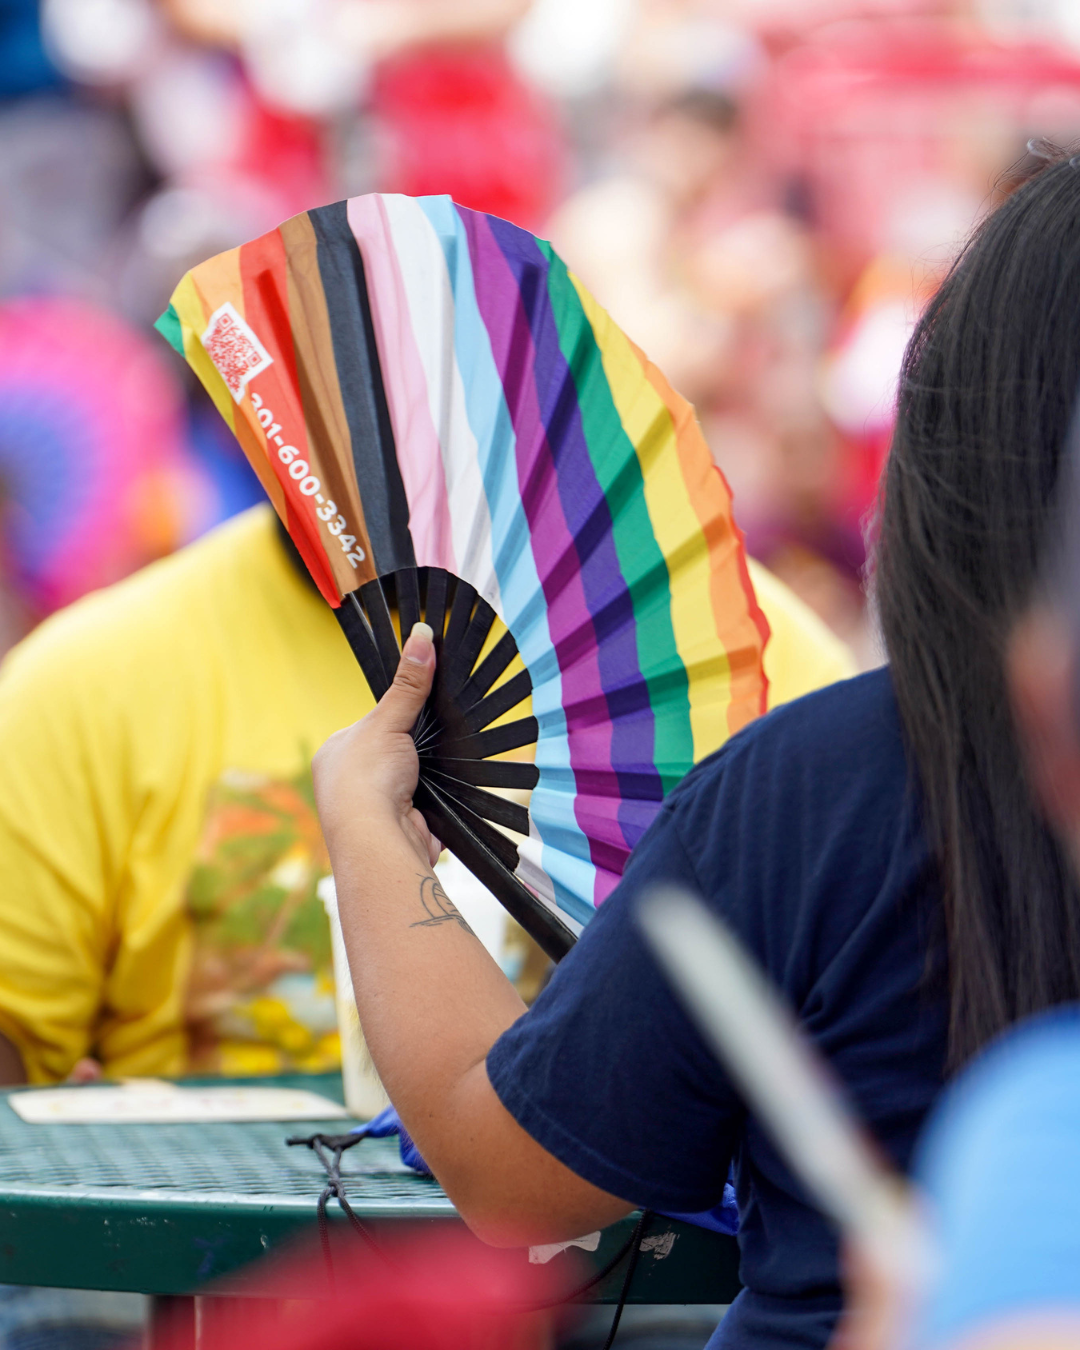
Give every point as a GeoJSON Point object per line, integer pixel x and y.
{"type": "Point", "coordinates": [168, 1209]}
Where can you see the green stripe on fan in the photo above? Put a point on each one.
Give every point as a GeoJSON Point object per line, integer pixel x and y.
{"type": "Point", "coordinates": [615, 463]}
{"type": "Point", "coordinates": [170, 329]}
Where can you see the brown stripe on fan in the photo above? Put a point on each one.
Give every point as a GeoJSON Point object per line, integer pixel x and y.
{"type": "Point", "coordinates": [321, 397]}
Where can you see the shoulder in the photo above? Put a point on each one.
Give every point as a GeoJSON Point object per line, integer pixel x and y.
{"type": "Point", "coordinates": [844, 735]}
{"type": "Point", "coordinates": [152, 617]}
{"type": "Point", "coordinates": [803, 817]}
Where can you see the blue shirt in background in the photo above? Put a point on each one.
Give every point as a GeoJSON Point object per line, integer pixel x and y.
{"type": "Point", "coordinates": [803, 832]}
{"type": "Point", "coordinates": [1000, 1163]}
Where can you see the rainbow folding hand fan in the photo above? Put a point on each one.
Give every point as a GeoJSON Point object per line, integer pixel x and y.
{"type": "Point", "coordinates": [444, 418]}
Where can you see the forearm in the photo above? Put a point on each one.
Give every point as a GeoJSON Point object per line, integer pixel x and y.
{"type": "Point", "coordinates": [432, 1003]}
{"type": "Point", "coordinates": [431, 1000]}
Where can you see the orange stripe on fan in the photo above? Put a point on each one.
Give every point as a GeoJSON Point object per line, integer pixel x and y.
{"type": "Point", "coordinates": [738, 615]}
{"type": "Point", "coordinates": [263, 272]}
{"type": "Point", "coordinates": [220, 278]}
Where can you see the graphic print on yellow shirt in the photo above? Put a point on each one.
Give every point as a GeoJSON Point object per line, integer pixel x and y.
{"type": "Point", "coordinates": [260, 997]}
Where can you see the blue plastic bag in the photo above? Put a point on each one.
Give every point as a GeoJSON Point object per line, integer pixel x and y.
{"type": "Point", "coordinates": [386, 1123]}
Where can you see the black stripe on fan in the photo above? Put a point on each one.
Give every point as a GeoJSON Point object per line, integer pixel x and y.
{"type": "Point", "coordinates": [386, 508]}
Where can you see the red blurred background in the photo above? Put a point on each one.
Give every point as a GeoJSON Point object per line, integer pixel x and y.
{"type": "Point", "coordinates": [764, 192]}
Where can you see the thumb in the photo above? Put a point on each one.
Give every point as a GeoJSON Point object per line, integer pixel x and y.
{"type": "Point", "coordinates": [400, 706]}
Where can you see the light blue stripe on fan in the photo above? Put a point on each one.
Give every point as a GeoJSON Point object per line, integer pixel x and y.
{"type": "Point", "coordinates": [565, 848]}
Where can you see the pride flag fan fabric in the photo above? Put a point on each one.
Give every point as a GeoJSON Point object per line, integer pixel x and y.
{"type": "Point", "coordinates": [444, 418]}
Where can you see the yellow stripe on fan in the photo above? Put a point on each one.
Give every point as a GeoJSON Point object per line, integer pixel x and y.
{"type": "Point", "coordinates": [193, 314]}
{"type": "Point", "coordinates": [221, 278]}
{"type": "Point", "coordinates": [647, 422]}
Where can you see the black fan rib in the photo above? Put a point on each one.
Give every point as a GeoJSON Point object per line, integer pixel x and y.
{"type": "Point", "coordinates": [361, 639]}
{"type": "Point", "coordinates": [454, 736]}
{"type": "Point", "coordinates": [435, 605]}
{"type": "Point", "coordinates": [460, 660]}
{"type": "Point", "coordinates": [542, 925]}
{"type": "Point", "coordinates": [500, 773]}
{"type": "Point", "coordinates": [499, 810]}
{"type": "Point", "coordinates": [408, 600]}
{"type": "Point", "coordinates": [378, 612]}
{"type": "Point", "coordinates": [488, 671]}
{"type": "Point", "coordinates": [509, 736]}
{"type": "Point", "coordinates": [460, 613]}
{"type": "Point", "coordinates": [507, 696]}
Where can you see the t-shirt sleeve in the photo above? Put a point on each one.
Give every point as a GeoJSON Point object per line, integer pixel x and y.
{"type": "Point", "coordinates": [606, 1072]}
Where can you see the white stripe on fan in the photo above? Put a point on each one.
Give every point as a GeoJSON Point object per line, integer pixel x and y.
{"type": "Point", "coordinates": [424, 275]}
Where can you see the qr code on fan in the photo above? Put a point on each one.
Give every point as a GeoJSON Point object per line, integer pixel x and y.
{"type": "Point", "coordinates": [234, 349]}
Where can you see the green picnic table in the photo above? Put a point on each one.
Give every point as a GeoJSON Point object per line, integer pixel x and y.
{"type": "Point", "coordinates": [184, 1212]}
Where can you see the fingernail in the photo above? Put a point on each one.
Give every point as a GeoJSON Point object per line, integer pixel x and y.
{"type": "Point", "coordinates": [418, 646]}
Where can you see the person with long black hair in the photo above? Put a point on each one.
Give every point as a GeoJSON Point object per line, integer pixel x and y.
{"type": "Point", "coordinates": [875, 845]}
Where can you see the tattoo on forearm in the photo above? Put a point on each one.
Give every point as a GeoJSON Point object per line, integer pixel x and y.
{"type": "Point", "coordinates": [438, 905]}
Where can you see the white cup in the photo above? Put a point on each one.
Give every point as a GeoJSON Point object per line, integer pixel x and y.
{"type": "Point", "coordinates": [364, 1093]}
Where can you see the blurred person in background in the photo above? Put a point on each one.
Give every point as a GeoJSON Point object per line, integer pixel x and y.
{"type": "Point", "coordinates": [159, 852]}
{"type": "Point", "coordinates": [97, 475]}
{"type": "Point", "coordinates": [692, 248]}
{"type": "Point", "coordinates": [627, 235]}
{"type": "Point", "coordinates": [687, 249]}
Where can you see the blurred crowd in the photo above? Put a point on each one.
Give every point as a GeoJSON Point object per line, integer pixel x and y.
{"type": "Point", "coordinates": [763, 192]}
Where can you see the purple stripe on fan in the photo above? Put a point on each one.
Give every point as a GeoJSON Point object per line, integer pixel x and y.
{"type": "Point", "coordinates": [633, 738]}
{"type": "Point", "coordinates": [608, 735]}
{"type": "Point", "coordinates": [499, 302]}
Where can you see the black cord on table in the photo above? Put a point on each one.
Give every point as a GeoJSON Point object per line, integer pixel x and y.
{"type": "Point", "coordinates": [335, 1190]}
{"type": "Point", "coordinates": [600, 1275]}
{"type": "Point", "coordinates": [635, 1253]}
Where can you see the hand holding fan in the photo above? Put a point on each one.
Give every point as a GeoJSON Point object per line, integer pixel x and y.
{"type": "Point", "coordinates": [443, 416]}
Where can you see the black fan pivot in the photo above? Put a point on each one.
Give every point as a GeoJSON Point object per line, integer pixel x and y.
{"type": "Point", "coordinates": [455, 739]}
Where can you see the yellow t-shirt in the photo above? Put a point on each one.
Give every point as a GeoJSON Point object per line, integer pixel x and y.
{"type": "Point", "coordinates": [159, 849]}
{"type": "Point", "coordinates": [802, 653]}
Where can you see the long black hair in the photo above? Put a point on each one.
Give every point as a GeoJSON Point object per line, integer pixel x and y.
{"type": "Point", "coordinates": [986, 397]}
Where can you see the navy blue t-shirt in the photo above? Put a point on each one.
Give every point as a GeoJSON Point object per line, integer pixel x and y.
{"type": "Point", "coordinates": [803, 832]}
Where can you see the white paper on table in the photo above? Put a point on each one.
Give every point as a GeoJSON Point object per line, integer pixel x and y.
{"type": "Point", "coordinates": [154, 1101]}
